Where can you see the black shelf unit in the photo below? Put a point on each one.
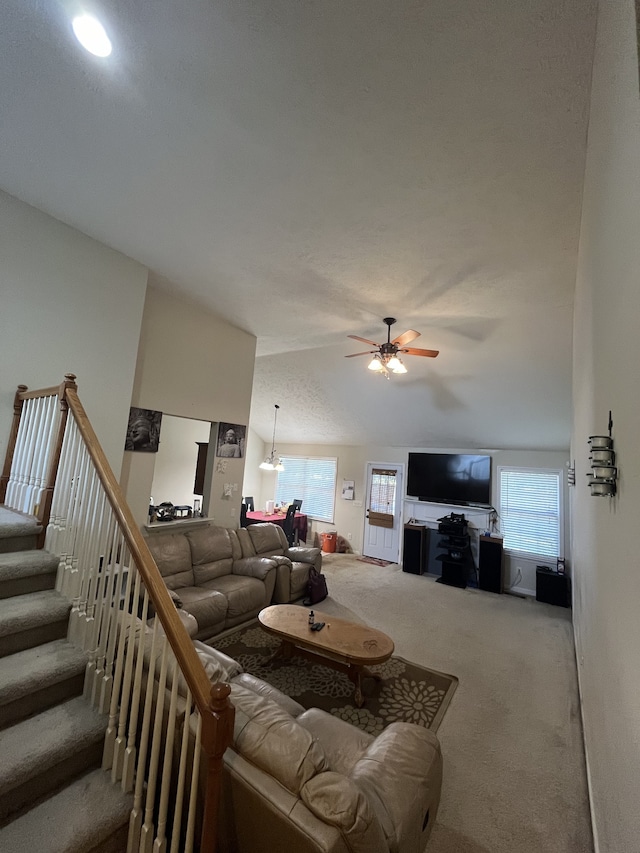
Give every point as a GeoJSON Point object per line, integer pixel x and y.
{"type": "Point", "coordinates": [457, 559]}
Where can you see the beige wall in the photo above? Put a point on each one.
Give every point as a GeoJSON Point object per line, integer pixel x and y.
{"type": "Point", "coordinates": [68, 305]}
{"type": "Point", "coordinates": [352, 465]}
{"type": "Point", "coordinates": [190, 364]}
{"type": "Point", "coordinates": [606, 356]}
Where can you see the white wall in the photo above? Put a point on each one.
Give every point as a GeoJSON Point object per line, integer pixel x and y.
{"type": "Point", "coordinates": [190, 364]}
{"type": "Point", "coordinates": [68, 305]}
{"type": "Point", "coordinates": [606, 355]}
{"type": "Point", "coordinates": [175, 462]}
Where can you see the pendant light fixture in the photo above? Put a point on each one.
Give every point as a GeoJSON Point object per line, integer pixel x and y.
{"type": "Point", "coordinates": [273, 461]}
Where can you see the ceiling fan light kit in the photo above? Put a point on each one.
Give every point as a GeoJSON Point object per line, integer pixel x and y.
{"type": "Point", "coordinates": [273, 461]}
{"type": "Point", "coordinates": [386, 355]}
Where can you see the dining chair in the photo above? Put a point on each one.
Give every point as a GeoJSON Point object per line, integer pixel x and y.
{"type": "Point", "coordinates": [289, 532]}
{"type": "Point", "coordinates": [243, 514]}
{"type": "Point", "coordinates": [249, 504]}
{"type": "Point", "coordinates": [297, 504]}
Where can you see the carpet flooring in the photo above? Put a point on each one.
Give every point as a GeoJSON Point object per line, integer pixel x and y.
{"type": "Point", "coordinates": [407, 692]}
{"type": "Point", "coordinates": [514, 768]}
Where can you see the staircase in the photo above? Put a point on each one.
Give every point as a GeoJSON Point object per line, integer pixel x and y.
{"type": "Point", "coordinates": [54, 798]}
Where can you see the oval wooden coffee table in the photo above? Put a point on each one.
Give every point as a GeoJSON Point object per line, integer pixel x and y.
{"type": "Point", "coordinates": [345, 646]}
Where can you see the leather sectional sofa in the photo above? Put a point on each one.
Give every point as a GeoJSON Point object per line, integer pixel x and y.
{"type": "Point", "coordinates": [309, 782]}
{"type": "Point", "coordinates": [225, 577]}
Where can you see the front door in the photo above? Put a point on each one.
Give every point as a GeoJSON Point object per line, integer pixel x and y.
{"type": "Point", "coordinates": [383, 517]}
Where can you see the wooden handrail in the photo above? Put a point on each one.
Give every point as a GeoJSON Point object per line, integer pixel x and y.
{"type": "Point", "coordinates": [177, 636]}
{"type": "Point", "coordinates": [44, 509]}
{"type": "Point", "coordinates": [18, 402]}
{"type": "Point", "coordinates": [216, 712]}
{"type": "Point", "coordinates": [212, 701]}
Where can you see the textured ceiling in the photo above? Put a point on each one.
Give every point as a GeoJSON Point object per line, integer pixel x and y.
{"type": "Point", "coordinates": [308, 168]}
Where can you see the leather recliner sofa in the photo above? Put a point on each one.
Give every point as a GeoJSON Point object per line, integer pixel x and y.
{"type": "Point", "coordinates": [225, 577]}
{"type": "Point", "coordinates": [293, 563]}
{"type": "Point", "coordinates": [309, 782]}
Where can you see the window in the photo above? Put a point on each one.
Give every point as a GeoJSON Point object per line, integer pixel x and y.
{"type": "Point", "coordinates": [531, 510]}
{"type": "Point", "coordinates": [313, 481]}
{"type": "Point", "coordinates": [382, 498]}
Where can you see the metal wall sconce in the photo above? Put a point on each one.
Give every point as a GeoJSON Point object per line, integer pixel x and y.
{"type": "Point", "coordinates": [603, 474]}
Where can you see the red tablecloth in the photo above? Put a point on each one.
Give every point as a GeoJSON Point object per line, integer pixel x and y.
{"type": "Point", "coordinates": [299, 521]}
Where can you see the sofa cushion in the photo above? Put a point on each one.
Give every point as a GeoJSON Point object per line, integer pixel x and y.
{"type": "Point", "coordinates": [267, 538]}
{"type": "Point", "coordinates": [269, 737]}
{"type": "Point", "coordinates": [343, 744]}
{"type": "Point", "coordinates": [245, 596]}
{"type": "Point", "coordinates": [334, 799]}
{"type": "Point", "coordinates": [212, 552]}
{"type": "Point", "coordinates": [172, 554]}
{"type": "Point", "coordinates": [208, 605]}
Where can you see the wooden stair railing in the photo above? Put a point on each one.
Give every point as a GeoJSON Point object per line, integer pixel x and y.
{"type": "Point", "coordinates": [107, 572]}
{"type": "Point", "coordinates": [33, 451]}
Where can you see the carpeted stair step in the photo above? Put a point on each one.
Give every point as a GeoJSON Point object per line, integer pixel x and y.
{"type": "Point", "coordinates": [38, 678]}
{"type": "Point", "coordinates": [18, 532]}
{"type": "Point", "coordinates": [28, 620]}
{"type": "Point", "coordinates": [41, 754]}
{"type": "Point", "coordinates": [89, 816]}
{"type": "Point", "coordinates": [22, 572]}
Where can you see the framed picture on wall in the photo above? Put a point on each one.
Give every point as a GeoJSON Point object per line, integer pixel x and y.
{"type": "Point", "coordinates": [143, 431]}
{"type": "Point", "coordinates": [231, 440]}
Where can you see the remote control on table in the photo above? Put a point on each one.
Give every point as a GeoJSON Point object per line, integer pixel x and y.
{"type": "Point", "coordinates": [317, 626]}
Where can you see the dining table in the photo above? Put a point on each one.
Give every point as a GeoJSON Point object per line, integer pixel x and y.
{"type": "Point", "coordinates": [299, 521]}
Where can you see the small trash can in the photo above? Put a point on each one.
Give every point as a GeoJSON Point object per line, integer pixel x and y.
{"type": "Point", "coordinates": [328, 542]}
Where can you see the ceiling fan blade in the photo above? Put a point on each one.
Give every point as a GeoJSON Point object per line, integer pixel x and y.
{"type": "Point", "coordinates": [363, 340]}
{"type": "Point", "coordinates": [406, 337]}
{"type": "Point", "coordinates": [430, 353]}
{"type": "Point", "coordinates": [368, 352]}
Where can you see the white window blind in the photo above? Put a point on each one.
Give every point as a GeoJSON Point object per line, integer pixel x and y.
{"type": "Point", "coordinates": [531, 510]}
{"type": "Point", "coordinates": [383, 491]}
{"type": "Point", "coordinates": [312, 480]}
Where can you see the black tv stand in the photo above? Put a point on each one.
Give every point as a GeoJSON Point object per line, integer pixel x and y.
{"type": "Point", "coordinates": [457, 559]}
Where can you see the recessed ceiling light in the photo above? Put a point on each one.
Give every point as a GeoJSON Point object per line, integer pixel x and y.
{"type": "Point", "coordinates": [91, 35]}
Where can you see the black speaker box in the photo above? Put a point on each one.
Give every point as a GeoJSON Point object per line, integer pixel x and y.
{"type": "Point", "coordinates": [490, 564]}
{"type": "Point", "coordinates": [415, 548]}
{"type": "Point", "coordinates": [553, 588]}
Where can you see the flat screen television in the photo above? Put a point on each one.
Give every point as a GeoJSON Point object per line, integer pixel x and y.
{"type": "Point", "coordinates": [459, 479]}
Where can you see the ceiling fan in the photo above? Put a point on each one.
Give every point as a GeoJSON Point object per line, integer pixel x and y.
{"type": "Point", "coordinates": [386, 355]}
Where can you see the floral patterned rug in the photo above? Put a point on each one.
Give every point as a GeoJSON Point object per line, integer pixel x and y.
{"type": "Point", "coordinates": [407, 692]}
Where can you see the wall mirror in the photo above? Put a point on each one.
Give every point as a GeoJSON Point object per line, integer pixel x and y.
{"type": "Point", "coordinates": [180, 464]}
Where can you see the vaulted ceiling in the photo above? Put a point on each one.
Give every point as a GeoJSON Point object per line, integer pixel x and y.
{"type": "Point", "coordinates": [305, 168]}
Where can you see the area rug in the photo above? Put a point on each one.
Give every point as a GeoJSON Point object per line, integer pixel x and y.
{"type": "Point", "coordinates": [406, 693]}
{"type": "Point", "coordinates": [375, 561]}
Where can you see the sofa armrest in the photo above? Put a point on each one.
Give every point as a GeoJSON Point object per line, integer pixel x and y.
{"type": "Point", "coordinates": [334, 799]}
{"type": "Point", "coordinates": [229, 668]}
{"type": "Point", "coordinates": [173, 595]}
{"type": "Point", "coordinates": [401, 775]}
{"type": "Point", "coordinates": [253, 567]}
{"type": "Point", "coordinates": [300, 554]}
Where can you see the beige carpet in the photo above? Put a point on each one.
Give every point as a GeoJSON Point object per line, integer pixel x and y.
{"type": "Point", "coordinates": [514, 773]}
